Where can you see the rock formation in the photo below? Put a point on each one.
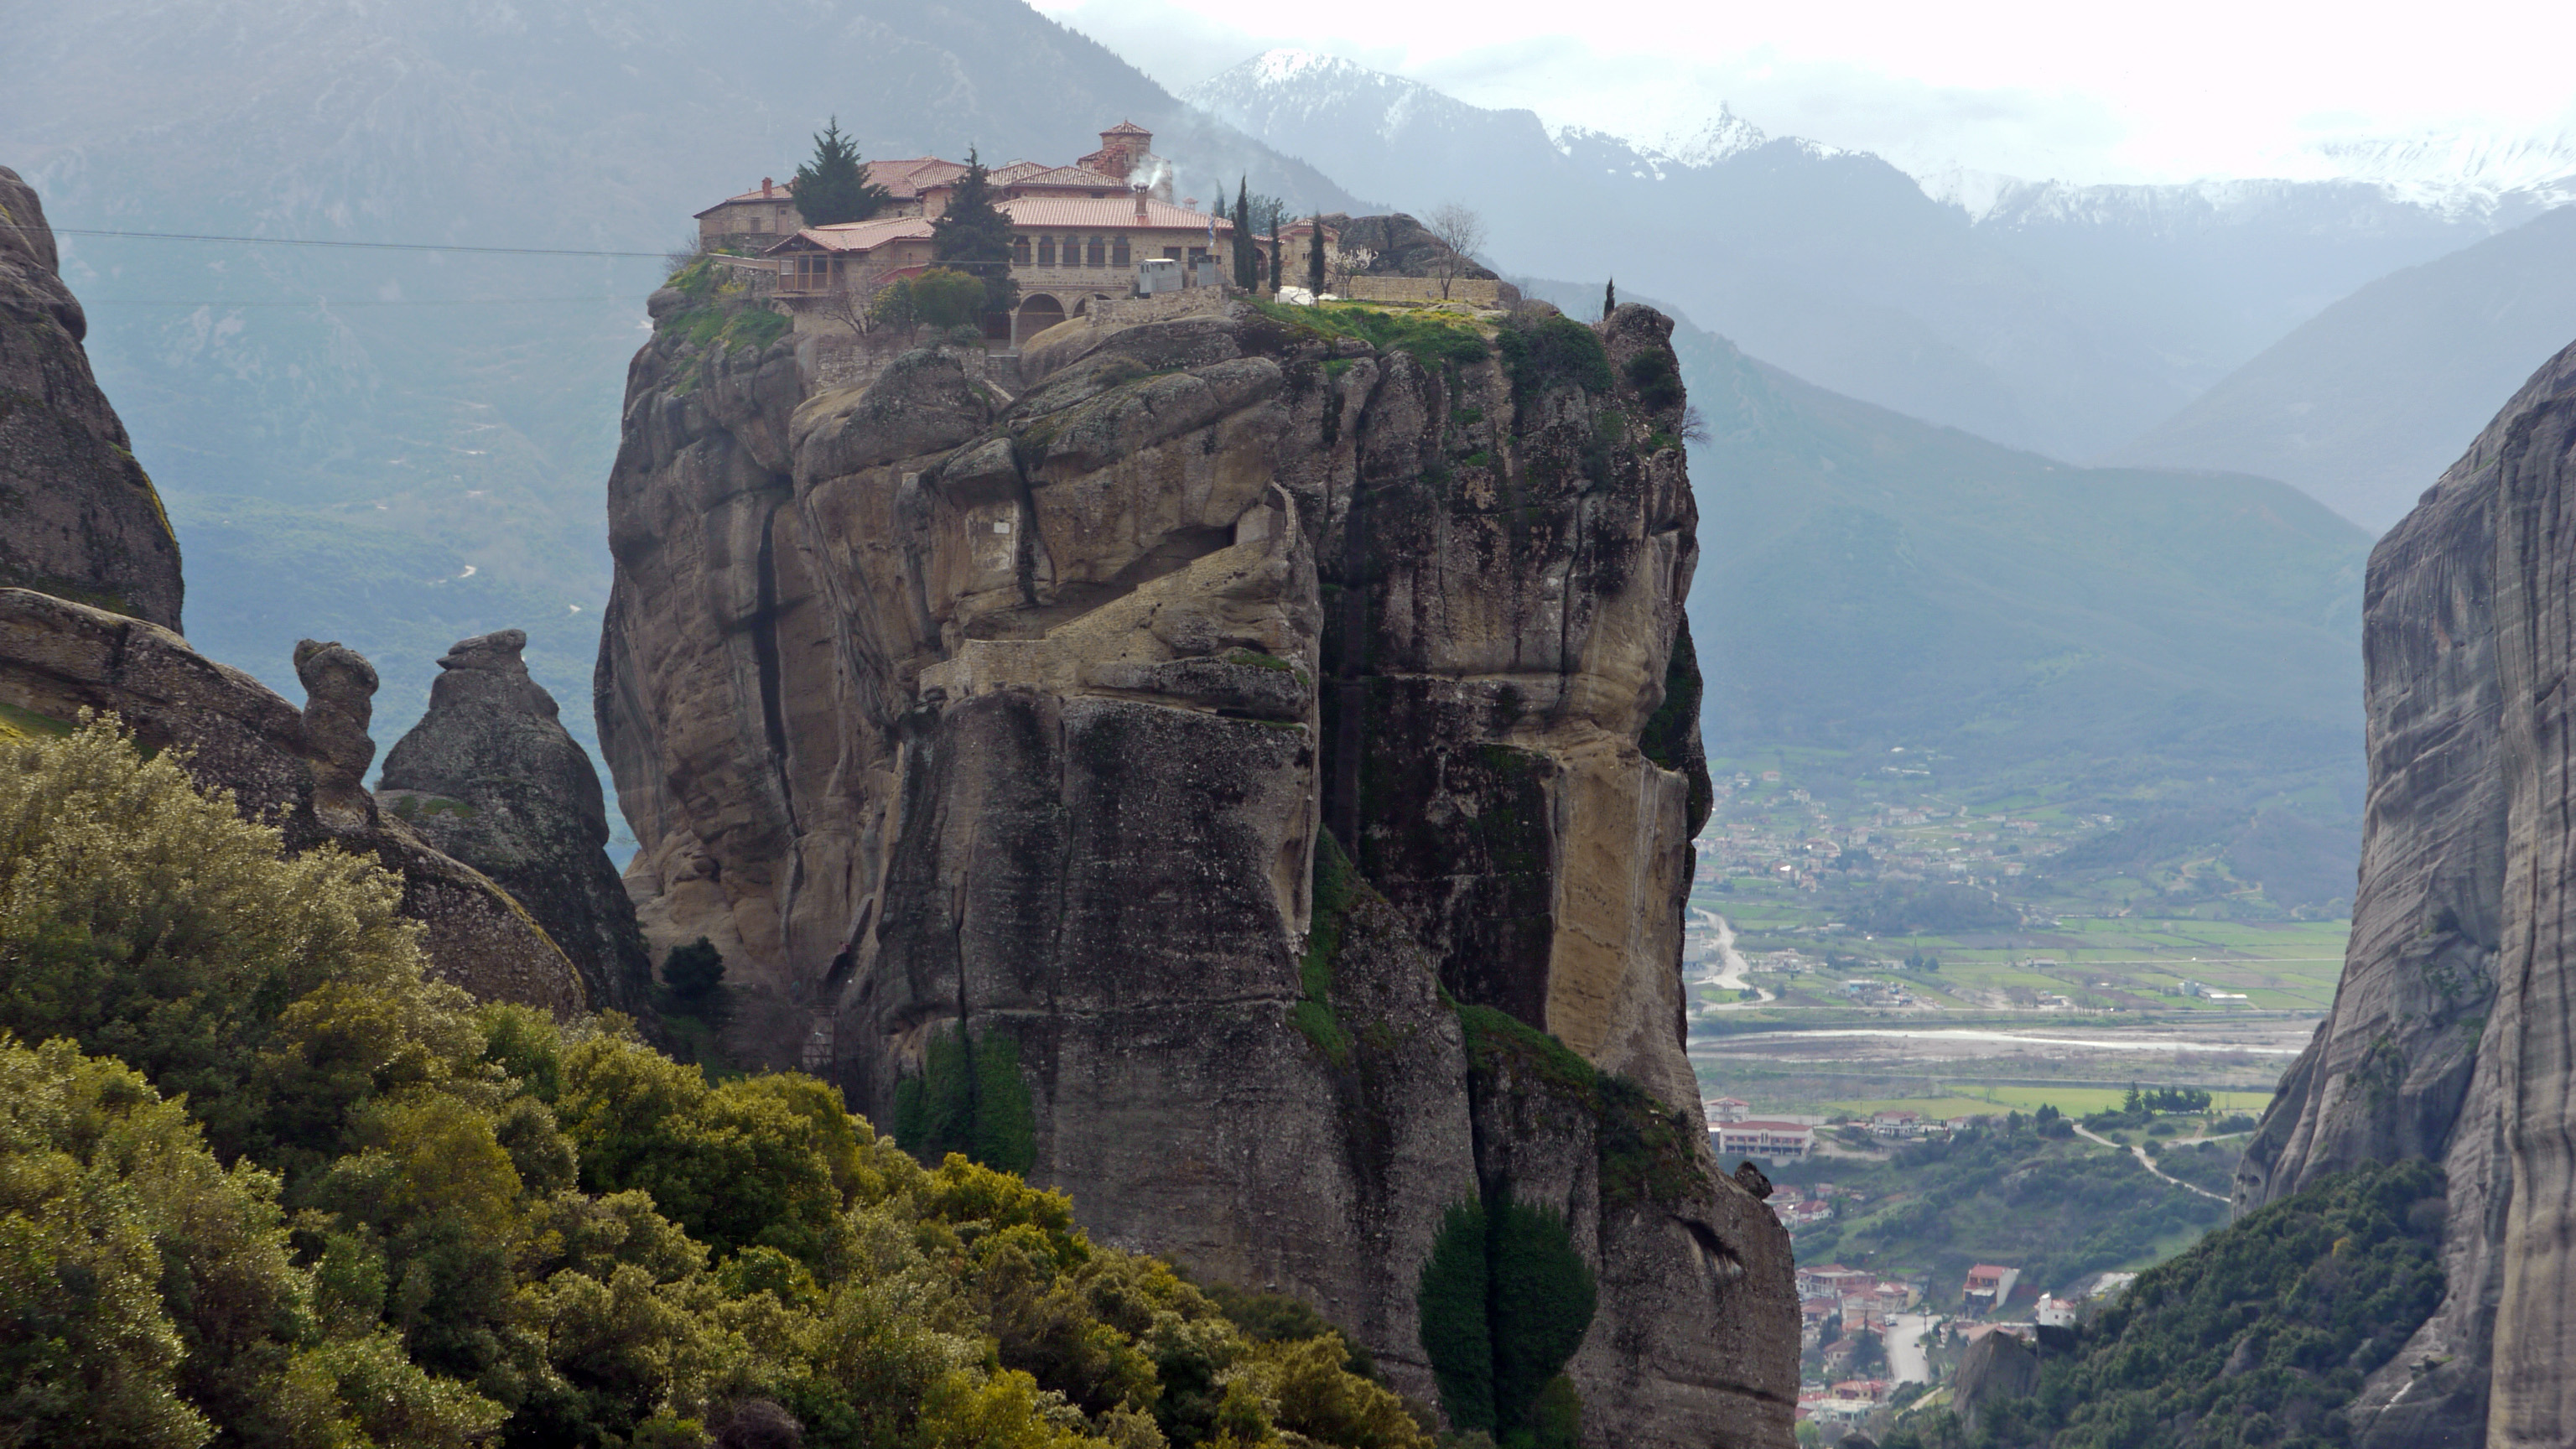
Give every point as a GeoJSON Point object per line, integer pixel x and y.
{"type": "Point", "coordinates": [1995, 1367]}
{"type": "Point", "coordinates": [78, 519]}
{"type": "Point", "coordinates": [2450, 1030]}
{"type": "Point", "coordinates": [491, 777]}
{"type": "Point", "coordinates": [298, 770]}
{"type": "Point", "coordinates": [1224, 779]}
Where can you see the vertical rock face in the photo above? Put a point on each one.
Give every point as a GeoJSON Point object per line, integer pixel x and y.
{"type": "Point", "coordinates": [78, 518]}
{"type": "Point", "coordinates": [2449, 1034]}
{"type": "Point", "coordinates": [1207, 780]}
{"type": "Point", "coordinates": [491, 777]}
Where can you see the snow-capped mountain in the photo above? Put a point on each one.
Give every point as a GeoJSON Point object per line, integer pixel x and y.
{"type": "Point", "coordinates": [2062, 317]}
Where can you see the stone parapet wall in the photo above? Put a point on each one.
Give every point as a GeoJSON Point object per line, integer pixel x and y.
{"type": "Point", "coordinates": [1188, 302]}
{"type": "Point", "coordinates": [1475, 291]}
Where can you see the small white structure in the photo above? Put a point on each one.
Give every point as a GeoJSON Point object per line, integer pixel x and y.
{"type": "Point", "coordinates": [1157, 275]}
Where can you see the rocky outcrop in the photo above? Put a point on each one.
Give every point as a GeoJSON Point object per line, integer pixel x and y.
{"type": "Point", "coordinates": [491, 777]}
{"type": "Point", "coordinates": [1011, 748]}
{"type": "Point", "coordinates": [1996, 1367]}
{"type": "Point", "coordinates": [1398, 246]}
{"type": "Point", "coordinates": [298, 770]}
{"type": "Point", "coordinates": [78, 518]}
{"type": "Point", "coordinates": [2448, 1038]}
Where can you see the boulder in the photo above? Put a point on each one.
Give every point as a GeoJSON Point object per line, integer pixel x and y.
{"type": "Point", "coordinates": [491, 777]}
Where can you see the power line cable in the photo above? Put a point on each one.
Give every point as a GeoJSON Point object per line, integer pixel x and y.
{"type": "Point", "coordinates": [284, 241]}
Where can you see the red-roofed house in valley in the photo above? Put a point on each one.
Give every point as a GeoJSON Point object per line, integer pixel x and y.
{"type": "Point", "coordinates": [1989, 1287]}
{"type": "Point", "coordinates": [1771, 1141]}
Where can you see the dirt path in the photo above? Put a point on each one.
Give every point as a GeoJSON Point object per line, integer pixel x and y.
{"type": "Point", "coordinates": [2147, 1161]}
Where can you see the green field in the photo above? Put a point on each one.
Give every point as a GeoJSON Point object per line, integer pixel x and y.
{"type": "Point", "coordinates": [1967, 1101]}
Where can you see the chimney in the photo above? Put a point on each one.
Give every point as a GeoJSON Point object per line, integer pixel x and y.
{"type": "Point", "coordinates": [1140, 203]}
{"type": "Point", "coordinates": [764, 186]}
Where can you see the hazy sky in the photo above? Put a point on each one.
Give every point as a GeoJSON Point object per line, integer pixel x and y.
{"type": "Point", "coordinates": [2088, 92]}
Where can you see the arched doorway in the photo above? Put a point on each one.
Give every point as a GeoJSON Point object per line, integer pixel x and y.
{"type": "Point", "coordinates": [1037, 314]}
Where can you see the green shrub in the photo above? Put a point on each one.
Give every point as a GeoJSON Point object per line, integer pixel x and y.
{"type": "Point", "coordinates": [968, 1098]}
{"type": "Point", "coordinates": [694, 971]}
{"type": "Point", "coordinates": [446, 1225]}
{"type": "Point", "coordinates": [1505, 1301]}
{"type": "Point", "coordinates": [1555, 351]}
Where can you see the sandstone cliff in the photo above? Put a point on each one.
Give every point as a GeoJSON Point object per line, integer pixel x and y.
{"type": "Point", "coordinates": [491, 777]}
{"type": "Point", "coordinates": [2449, 1034]}
{"type": "Point", "coordinates": [78, 518]}
{"type": "Point", "coordinates": [1012, 747]}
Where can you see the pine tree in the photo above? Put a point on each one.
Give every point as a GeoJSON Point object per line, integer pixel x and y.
{"type": "Point", "coordinates": [834, 187]}
{"type": "Point", "coordinates": [1610, 299]}
{"type": "Point", "coordinates": [974, 237]}
{"type": "Point", "coordinates": [1247, 258]}
{"type": "Point", "coordinates": [1315, 259]}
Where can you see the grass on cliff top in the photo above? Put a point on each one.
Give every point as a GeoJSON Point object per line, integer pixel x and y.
{"type": "Point", "coordinates": [1435, 339]}
{"type": "Point", "coordinates": [722, 310]}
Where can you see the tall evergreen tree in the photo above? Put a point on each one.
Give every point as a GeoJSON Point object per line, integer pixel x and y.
{"type": "Point", "coordinates": [1276, 213]}
{"type": "Point", "coordinates": [833, 187]}
{"type": "Point", "coordinates": [974, 237]}
{"type": "Point", "coordinates": [1315, 259]}
{"type": "Point", "coordinates": [1610, 299]}
{"type": "Point", "coordinates": [1247, 257]}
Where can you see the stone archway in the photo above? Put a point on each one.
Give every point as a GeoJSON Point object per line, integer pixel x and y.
{"type": "Point", "coordinates": [1037, 314]}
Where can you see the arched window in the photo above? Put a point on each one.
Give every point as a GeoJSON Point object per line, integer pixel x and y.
{"type": "Point", "coordinates": [1118, 252]}
{"type": "Point", "coordinates": [1019, 251]}
{"type": "Point", "coordinates": [1046, 251]}
{"type": "Point", "coordinates": [1094, 254]}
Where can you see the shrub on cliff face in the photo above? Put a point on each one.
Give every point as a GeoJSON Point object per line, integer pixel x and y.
{"type": "Point", "coordinates": [1505, 1301]}
{"type": "Point", "coordinates": [445, 1224]}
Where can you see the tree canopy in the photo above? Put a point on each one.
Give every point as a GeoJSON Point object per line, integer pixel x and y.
{"type": "Point", "coordinates": [973, 236]}
{"type": "Point", "coordinates": [386, 1216]}
{"type": "Point", "coordinates": [833, 187]}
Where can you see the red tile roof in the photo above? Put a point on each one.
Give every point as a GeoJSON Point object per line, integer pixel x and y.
{"type": "Point", "coordinates": [1108, 213]}
{"type": "Point", "coordinates": [780, 191]}
{"type": "Point", "coordinates": [1127, 128]}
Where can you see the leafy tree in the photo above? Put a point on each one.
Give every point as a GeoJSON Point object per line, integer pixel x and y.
{"type": "Point", "coordinates": [945, 298]}
{"type": "Point", "coordinates": [694, 971]}
{"type": "Point", "coordinates": [834, 187]}
{"type": "Point", "coordinates": [895, 307]}
{"type": "Point", "coordinates": [1462, 234]}
{"type": "Point", "coordinates": [974, 237]}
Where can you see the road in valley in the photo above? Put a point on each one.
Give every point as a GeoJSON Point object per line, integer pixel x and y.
{"type": "Point", "coordinates": [1908, 1362]}
{"type": "Point", "coordinates": [1731, 965]}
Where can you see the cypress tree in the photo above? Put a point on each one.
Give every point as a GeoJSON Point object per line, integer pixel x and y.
{"type": "Point", "coordinates": [1247, 258]}
{"type": "Point", "coordinates": [833, 187]}
{"type": "Point", "coordinates": [974, 237]}
{"type": "Point", "coordinates": [1315, 259]}
{"type": "Point", "coordinates": [1610, 299]}
{"type": "Point", "coordinates": [1274, 247]}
